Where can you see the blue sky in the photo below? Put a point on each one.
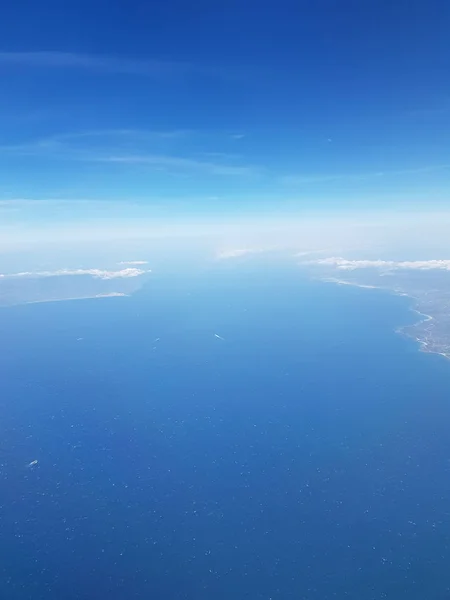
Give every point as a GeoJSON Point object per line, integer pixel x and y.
{"type": "Point", "coordinates": [225, 106]}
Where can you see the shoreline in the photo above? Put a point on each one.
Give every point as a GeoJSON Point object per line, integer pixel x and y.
{"type": "Point", "coordinates": [44, 301]}
{"type": "Point", "coordinates": [112, 295]}
{"type": "Point", "coordinates": [423, 344]}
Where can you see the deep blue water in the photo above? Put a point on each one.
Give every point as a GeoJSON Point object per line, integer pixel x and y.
{"type": "Point", "coordinates": [306, 456]}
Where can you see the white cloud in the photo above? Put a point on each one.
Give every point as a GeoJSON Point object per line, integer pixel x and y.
{"type": "Point", "coordinates": [133, 262]}
{"type": "Point", "coordinates": [112, 295]}
{"type": "Point", "coordinates": [386, 265]}
{"type": "Point", "coordinates": [96, 273]}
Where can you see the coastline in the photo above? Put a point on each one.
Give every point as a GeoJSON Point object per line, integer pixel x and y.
{"type": "Point", "coordinates": [111, 295]}
{"type": "Point", "coordinates": [44, 301]}
{"type": "Point", "coordinates": [409, 331]}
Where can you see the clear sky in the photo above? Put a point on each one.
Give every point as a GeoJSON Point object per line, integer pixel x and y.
{"type": "Point", "coordinates": [225, 106]}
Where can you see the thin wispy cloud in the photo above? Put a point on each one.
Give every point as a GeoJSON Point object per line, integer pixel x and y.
{"type": "Point", "coordinates": [120, 65]}
{"type": "Point", "coordinates": [72, 142]}
{"type": "Point", "coordinates": [181, 164]}
{"type": "Point", "coordinates": [131, 147]}
{"type": "Point", "coordinates": [308, 179]}
{"type": "Point", "coordinates": [55, 202]}
{"type": "Point", "coordinates": [441, 108]}
{"type": "Point", "coordinates": [126, 134]}
{"type": "Point", "coordinates": [298, 180]}
{"type": "Point", "coordinates": [98, 63]}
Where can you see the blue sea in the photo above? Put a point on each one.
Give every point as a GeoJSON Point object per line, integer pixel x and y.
{"type": "Point", "coordinates": [306, 455]}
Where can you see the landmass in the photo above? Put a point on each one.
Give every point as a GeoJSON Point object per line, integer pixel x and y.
{"type": "Point", "coordinates": [427, 283]}
{"type": "Point", "coordinates": [27, 288]}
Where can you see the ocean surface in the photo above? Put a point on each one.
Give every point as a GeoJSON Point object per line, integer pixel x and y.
{"type": "Point", "coordinates": [306, 455]}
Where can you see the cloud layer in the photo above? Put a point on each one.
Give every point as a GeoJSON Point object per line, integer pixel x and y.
{"type": "Point", "coordinates": [386, 265]}
{"type": "Point", "coordinates": [96, 273]}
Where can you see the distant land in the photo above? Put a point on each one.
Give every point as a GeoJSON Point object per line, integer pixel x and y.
{"type": "Point", "coordinates": [26, 288]}
{"type": "Point", "coordinates": [427, 283]}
